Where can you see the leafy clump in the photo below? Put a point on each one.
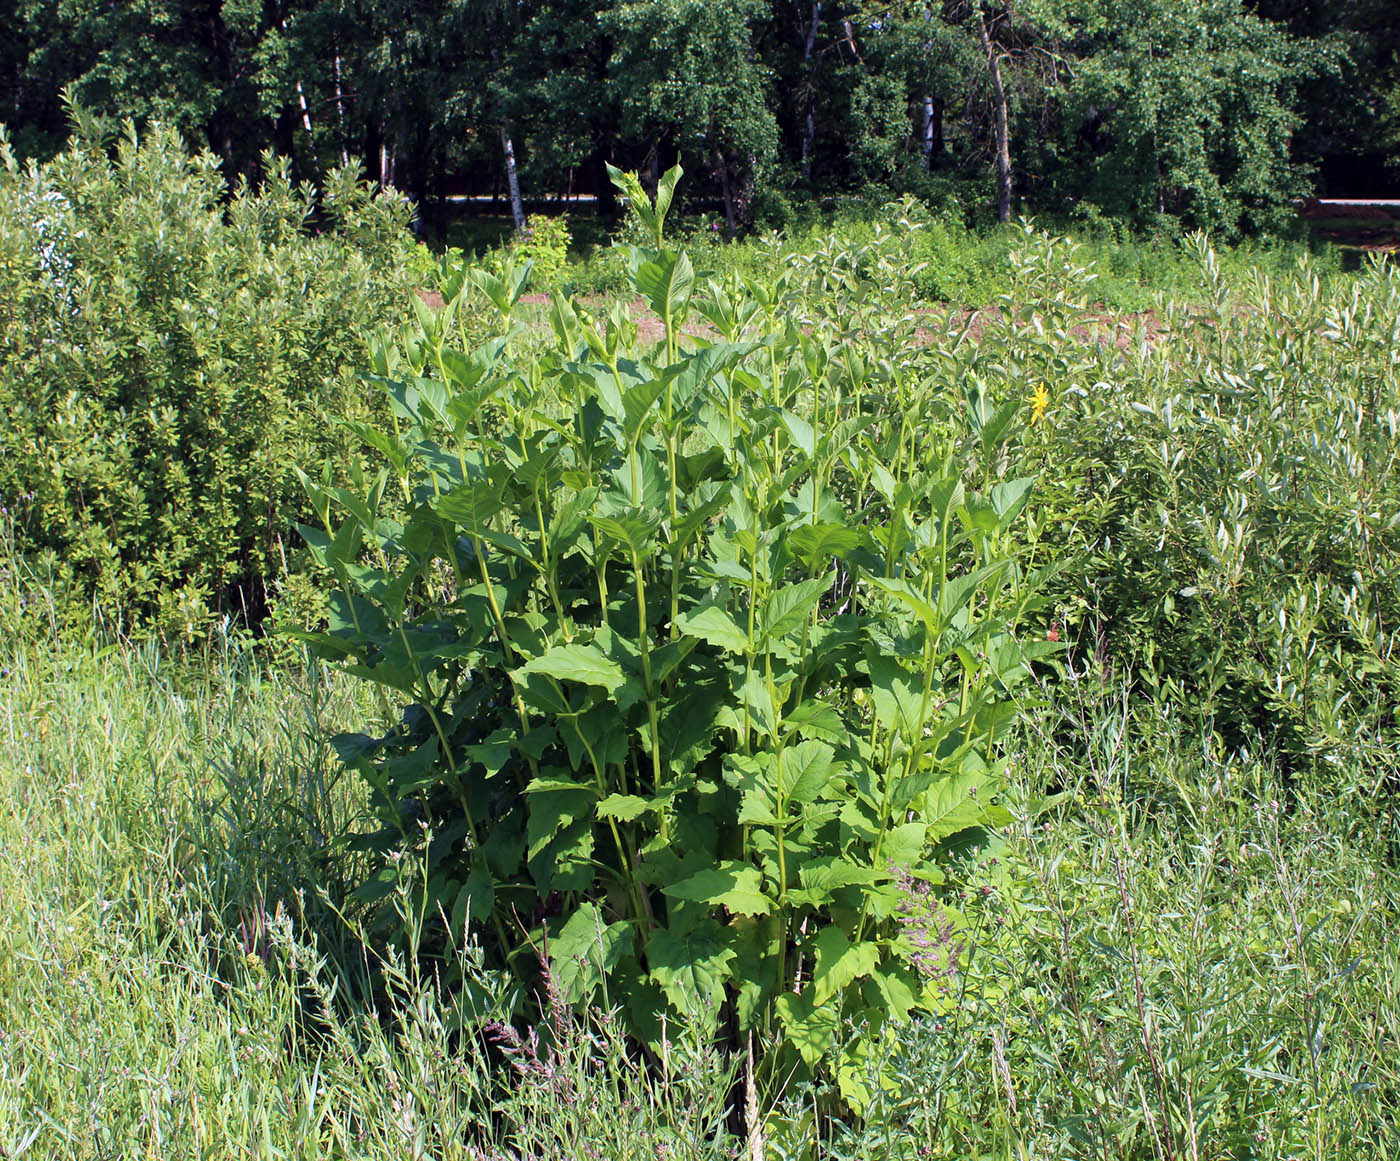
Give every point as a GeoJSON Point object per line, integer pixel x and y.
{"type": "Point", "coordinates": [166, 355]}
{"type": "Point", "coordinates": [703, 658]}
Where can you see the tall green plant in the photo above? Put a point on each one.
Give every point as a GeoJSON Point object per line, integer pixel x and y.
{"type": "Point", "coordinates": [703, 662]}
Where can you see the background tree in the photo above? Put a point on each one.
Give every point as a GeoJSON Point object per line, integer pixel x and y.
{"type": "Point", "coordinates": [687, 80]}
{"type": "Point", "coordinates": [1186, 109]}
{"type": "Point", "coordinates": [1180, 112]}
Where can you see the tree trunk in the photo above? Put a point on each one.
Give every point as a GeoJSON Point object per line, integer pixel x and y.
{"type": "Point", "coordinates": [809, 120]}
{"type": "Point", "coordinates": [386, 162]}
{"type": "Point", "coordinates": [1003, 128]}
{"type": "Point", "coordinates": [730, 217]}
{"type": "Point", "coordinates": [517, 206]}
{"type": "Point", "coordinates": [926, 131]}
{"type": "Point", "coordinates": [340, 110]}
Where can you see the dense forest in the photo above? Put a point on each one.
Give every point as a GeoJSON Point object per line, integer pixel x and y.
{"type": "Point", "coordinates": [1198, 113]}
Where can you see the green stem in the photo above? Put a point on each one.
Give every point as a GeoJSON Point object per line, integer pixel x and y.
{"type": "Point", "coordinates": [644, 643]}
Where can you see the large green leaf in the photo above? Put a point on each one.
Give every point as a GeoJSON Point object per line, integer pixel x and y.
{"type": "Point", "coordinates": [954, 804]}
{"type": "Point", "coordinates": [665, 282]}
{"type": "Point", "coordinates": [714, 625]}
{"type": "Point", "coordinates": [692, 968]}
{"type": "Point", "coordinates": [811, 1027]}
{"type": "Point", "coordinates": [897, 696]}
{"type": "Point", "coordinates": [806, 771]}
{"type": "Point", "coordinates": [733, 885]}
{"type": "Point", "coordinates": [789, 607]}
{"type": "Point", "coordinates": [586, 949]}
{"type": "Point", "coordinates": [554, 804]}
{"type": "Point", "coordinates": [839, 962]}
{"type": "Point", "coordinates": [471, 506]}
{"type": "Point", "coordinates": [586, 664]}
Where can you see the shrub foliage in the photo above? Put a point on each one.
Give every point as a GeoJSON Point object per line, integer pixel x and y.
{"type": "Point", "coordinates": [167, 353]}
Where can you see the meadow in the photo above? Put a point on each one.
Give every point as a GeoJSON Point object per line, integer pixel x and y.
{"type": "Point", "coordinates": [770, 704]}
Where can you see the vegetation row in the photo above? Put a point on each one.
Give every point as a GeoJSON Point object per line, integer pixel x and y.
{"type": "Point", "coordinates": [764, 709]}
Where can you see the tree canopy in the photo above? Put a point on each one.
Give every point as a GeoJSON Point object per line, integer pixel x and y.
{"type": "Point", "coordinates": [1210, 113]}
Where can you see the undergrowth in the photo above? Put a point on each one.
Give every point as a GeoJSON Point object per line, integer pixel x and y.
{"type": "Point", "coordinates": [1209, 976]}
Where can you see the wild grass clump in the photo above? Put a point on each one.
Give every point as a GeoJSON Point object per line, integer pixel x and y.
{"type": "Point", "coordinates": [1134, 978]}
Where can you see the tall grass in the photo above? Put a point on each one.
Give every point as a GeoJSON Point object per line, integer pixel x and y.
{"type": "Point", "coordinates": [1214, 977]}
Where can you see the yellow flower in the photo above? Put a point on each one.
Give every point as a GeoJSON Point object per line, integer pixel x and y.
{"type": "Point", "coordinates": [1039, 400]}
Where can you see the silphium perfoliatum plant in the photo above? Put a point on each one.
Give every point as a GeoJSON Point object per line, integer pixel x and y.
{"type": "Point", "coordinates": [698, 660]}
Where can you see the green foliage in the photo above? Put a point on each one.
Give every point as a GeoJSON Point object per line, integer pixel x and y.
{"type": "Point", "coordinates": [688, 71]}
{"type": "Point", "coordinates": [1200, 978]}
{"type": "Point", "coordinates": [166, 356]}
{"type": "Point", "coordinates": [705, 647]}
{"type": "Point", "coordinates": [544, 244]}
{"type": "Point", "coordinates": [1207, 113]}
{"type": "Point", "coordinates": [171, 984]}
{"type": "Point", "coordinates": [1224, 476]}
{"type": "Point", "coordinates": [1202, 97]}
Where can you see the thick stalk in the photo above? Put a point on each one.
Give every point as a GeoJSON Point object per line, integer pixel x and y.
{"type": "Point", "coordinates": [653, 724]}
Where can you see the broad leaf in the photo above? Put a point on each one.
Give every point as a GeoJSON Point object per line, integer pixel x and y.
{"type": "Point", "coordinates": [811, 1027]}
{"type": "Point", "coordinates": [585, 950]}
{"type": "Point", "coordinates": [693, 968]}
{"type": "Point", "coordinates": [715, 626]}
{"type": "Point", "coordinates": [586, 664]}
{"type": "Point", "coordinates": [733, 885]}
{"type": "Point", "coordinates": [839, 962]}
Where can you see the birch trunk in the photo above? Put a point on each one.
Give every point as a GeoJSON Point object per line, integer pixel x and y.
{"type": "Point", "coordinates": [305, 112]}
{"type": "Point", "coordinates": [809, 121]}
{"type": "Point", "coordinates": [517, 206]}
{"type": "Point", "coordinates": [730, 218]}
{"type": "Point", "coordinates": [926, 131]}
{"type": "Point", "coordinates": [1003, 128]}
{"type": "Point", "coordinates": [305, 115]}
{"type": "Point", "coordinates": [340, 111]}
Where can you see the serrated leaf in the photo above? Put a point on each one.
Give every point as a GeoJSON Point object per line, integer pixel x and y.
{"type": "Point", "coordinates": [665, 282]}
{"type": "Point", "coordinates": [586, 950]}
{"type": "Point", "coordinates": [789, 607]}
{"type": "Point", "coordinates": [801, 433]}
{"type": "Point", "coordinates": [806, 771]}
{"type": "Point", "coordinates": [624, 807]}
{"type": "Point", "coordinates": [582, 663]}
{"type": "Point", "coordinates": [471, 506]}
{"type": "Point", "coordinates": [951, 805]}
{"type": "Point", "coordinates": [897, 696]}
{"type": "Point", "coordinates": [734, 885]}
{"type": "Point", "coordinates": [554, 805]}
{"type": "Point", "coordinates": [693, 967]}
{"type": "Point", "coordinates": [815, 544]}
{"type": "Point", "coordinates": [816, 719]}
{"type": "Point", "coordinates": [476, 898]}
{"type": "Point", "coordinates": [632, 529]}
{"type": "Point", "coordinates": [1010, 498]}
{"type": "Point", "coordinates": [904, 845]}
{"type": "Point", "coordinates": [714, 626]}
{"type": "Point", "coordinates": [907, 594]}
{"type": "Point", "coordinates": [811, 1028]}
{"type": "Point", "coordinates": [839, 962]}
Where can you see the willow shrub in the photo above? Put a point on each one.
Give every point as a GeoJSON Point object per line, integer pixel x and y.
{"type": "Point", "coordinates": [166, 355]}
{"type": "Point", "coordinates": [704, 648]}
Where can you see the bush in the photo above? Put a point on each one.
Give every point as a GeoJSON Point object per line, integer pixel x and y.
{"type": "Point", "coordinates": [704, 662]}
{"type": "Point", "coordinates": [167, 354]}
{"type": "Point", "coordinates": [544, 243]}
{"type": "Point", "coordinates": [1226, 486]}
